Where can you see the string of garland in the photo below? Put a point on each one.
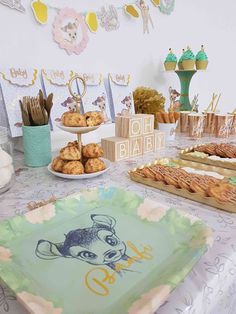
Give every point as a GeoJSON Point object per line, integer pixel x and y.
{"type": "Point", "coordinates": [40, 9]}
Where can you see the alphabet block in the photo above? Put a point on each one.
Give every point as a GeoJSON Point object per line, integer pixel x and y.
{"type": "Point", "coordinates": [159, 140]}
{"type": "Point", "coordinates": [136, 146]}
{"type": "Point", "coordinates": [148, 123]}
{"type": "Point", "coordinates": [148, 143]}
{"type": "Point", "coordinates": [115, 148]}
{"type": "Point", "coordinates": [129, 126]}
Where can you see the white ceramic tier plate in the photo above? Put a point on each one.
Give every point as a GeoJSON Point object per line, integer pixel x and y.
{"type": "Point", "coordinates": [80, 176]}
{"type": "Point", "coordinates": [76, 129]}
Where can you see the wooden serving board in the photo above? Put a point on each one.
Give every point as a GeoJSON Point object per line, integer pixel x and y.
{"type": "Point", "coordinates": [217, 163]}
{"type": "Point", "coordinates": [207, 200]}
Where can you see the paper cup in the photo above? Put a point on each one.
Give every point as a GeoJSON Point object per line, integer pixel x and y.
{"type": "Point", "coordinates": [183, 121]}
{"type": "Point", "coordinates": [188, 64]}
{"type": "Point", "coordinates": [169, 129]}
{"type": "Point", "coordinates": [37, 145]}
{"type": "Point", "coordinates": [170, 66]}
{"type": "Point", "coordinates": [201, 64]}
{"type": "Point", "coordinates": [209, 122]}
{"type": "Point", "coordinates": [233, 128]}
{"type": "Point", "coordinates": [196, 124]}
{"type": "Point", "coordinates": [223, 125]}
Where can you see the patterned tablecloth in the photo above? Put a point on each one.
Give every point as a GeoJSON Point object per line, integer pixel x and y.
{"type": "Point", "coordinates": [210, 288]}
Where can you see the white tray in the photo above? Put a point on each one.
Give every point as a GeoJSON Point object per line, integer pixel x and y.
{"type": "Point", "coordinates": [81, 176]}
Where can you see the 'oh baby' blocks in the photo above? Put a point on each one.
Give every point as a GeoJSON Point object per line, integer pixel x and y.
{"type": "Point", "coordinates": [135, 136]}
{"type": "Point", "coordinates": [134, 125]}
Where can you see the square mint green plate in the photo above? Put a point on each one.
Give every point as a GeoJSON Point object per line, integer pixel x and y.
{"type": "Point", "coordinates": [101, 251]}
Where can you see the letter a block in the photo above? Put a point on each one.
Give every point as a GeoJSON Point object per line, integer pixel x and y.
{"type": "Point", "coordinates": [159, 140]}
{"type": "Point", "coordinates": [115, 148]}
{"type": "Point", "coordinates": [148, 143]}
{"type": "Point", "coordinates": [130, 126]}
{"type": "Point", "coordinates": [136, 146]}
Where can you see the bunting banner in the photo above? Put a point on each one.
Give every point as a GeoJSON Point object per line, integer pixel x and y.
{"type": "Point", "coordinates": [71, 28]}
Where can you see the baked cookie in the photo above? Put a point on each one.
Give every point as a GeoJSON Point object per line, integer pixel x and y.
{"type": "Point", "coordinates": [201, 149]}
{"type": "Point", "coordinates": [184, 181]}
{"type": "Point", "coordinates": [58, 164]}
{"type": "Point", "coordinates": [148, 173]}
{"type": "Point", "coordinates": [73, 167]}
{"type": "Point", "coordinates": [92, 151]}
{"type": "Point", "coordinates": [93, 118]}
{"type": "Point", "coordinates": [229, 150]}
{"type": "Point", "coordinates": [70, 153]}
{"type": "Point", "coordinates": [200, 184]}
{"type": "Point", "coordinates": [171, 179]}
{"type": "Point", "coordinates": [94, 165]}
{"type": "Point", "coordinates": [221, 151]}
{"type": "Point", "coordinates": [223, 192]}
{"type": "Point", "coordinates": [210, 149]}
{"type": "Point", "coordinates": [73, 119]}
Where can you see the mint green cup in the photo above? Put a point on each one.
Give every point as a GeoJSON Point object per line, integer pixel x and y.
{"type": "Point", "coordinates": [37, 145]}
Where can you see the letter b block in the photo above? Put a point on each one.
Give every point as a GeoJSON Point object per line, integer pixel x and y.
{"type": "Point", "coordinates": [115, 148]}
{"type": "Point", "coordinates": [148, 143]}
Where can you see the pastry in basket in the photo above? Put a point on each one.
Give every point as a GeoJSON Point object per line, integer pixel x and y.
{"type": "Point", "coordinates": [94, 165]}
{"type": "Point", "coordinates": [73, 167]}
{"type": "Point", "coordinates": [93, 118]}
{"type": "Point", "coordinates": [70, 153]}
{"type": "Point", "coordinates": [223, 192]}
{"type": "Point", "coordinates": [58, 164]}
{"type": "Point", "coordinates": [73, 119]}
{"type": "Point", "coordinates": [92, 151]}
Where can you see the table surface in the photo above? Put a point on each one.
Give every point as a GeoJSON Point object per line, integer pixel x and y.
{"type": "Point", "coordinates": [209, 288]}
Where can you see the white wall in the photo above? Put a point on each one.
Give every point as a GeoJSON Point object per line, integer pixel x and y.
{"type": "Point", "coordinates": [211, 22]}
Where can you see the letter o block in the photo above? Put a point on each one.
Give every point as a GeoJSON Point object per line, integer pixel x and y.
{"type": "Point", "coordinates": [115, 148]}
{"type": "Point", "coordinates": [130, 126]}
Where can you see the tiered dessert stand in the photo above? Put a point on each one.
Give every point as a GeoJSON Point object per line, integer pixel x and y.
{"type": "Point", "coordinates": [79, 131]}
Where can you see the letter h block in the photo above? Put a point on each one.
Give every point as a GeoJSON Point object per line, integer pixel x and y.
{"type": "Point", "coordinates": [148, 123]}
{"type": "Point", "coordinates": [115, 148]}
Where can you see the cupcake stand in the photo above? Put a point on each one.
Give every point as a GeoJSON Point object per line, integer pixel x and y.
{"type": "Point", "coordinates": [78, 131]}
{"type": "Point", "coordinates": [185, 77]}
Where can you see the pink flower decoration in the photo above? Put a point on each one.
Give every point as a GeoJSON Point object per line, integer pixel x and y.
{"type": "Point", "coordinates": [152, 211]}
{"type": "Point", "coordinates": [5, 254]}
{"type": "Point", "coordinates": [150, 301]}
{"type": "Point", "coordinates": [68, 26]}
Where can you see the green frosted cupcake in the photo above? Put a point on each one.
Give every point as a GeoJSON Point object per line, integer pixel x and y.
{"type": "Point", "coordinates": [170, 62]}
{"type": "Point", "coordinates": [180, 61]}
{"type": "Point", "coordinates": [201, 59]}
{"type": "Point", "coordinates": [188, 60]}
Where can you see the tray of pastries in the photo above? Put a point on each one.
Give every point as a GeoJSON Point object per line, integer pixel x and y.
{"type": "Point", "coordinates": [202, 183]}
{"type": "Point", "coordinates": [75, 122]}
{"type": "Point", "coordinates": [73, 164]}
{"type": "Point", "coordinates": [219, 155]}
